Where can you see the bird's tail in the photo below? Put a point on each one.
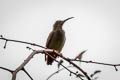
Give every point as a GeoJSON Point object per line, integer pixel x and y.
{"type": "Point", "coordinates": [49, 59]}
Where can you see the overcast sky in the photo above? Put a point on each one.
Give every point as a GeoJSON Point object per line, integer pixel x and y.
{"type": "Point", "coordinates": [95, 28]}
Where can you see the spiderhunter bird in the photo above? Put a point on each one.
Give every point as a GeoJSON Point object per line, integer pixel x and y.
{"type": "Point", "coordinates": [56, 40]}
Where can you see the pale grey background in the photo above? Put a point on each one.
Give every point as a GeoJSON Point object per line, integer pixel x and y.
{"type": "Point", "coordinates": [95, 27]}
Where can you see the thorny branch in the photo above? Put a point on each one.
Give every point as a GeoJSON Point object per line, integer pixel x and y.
{"type": "Point", "coordinates": [11, 40]}
{"type": "Point", "coordinates": [11, 71]}
{"type": "Point", "coordinates": [21, 67]}
{"type": "Point", "coordinates": [93, 62]}
{"type": "Point", "coordinates": [71, 72]}
{"type": "Point", "coordinates": [46, 51]}
{"type": "Point", "coordinates": [68, 60]}
{"type": "Point", "coordinates": [24, 63]}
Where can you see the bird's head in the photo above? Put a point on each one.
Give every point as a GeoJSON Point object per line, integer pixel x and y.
{"type": "Point", "coordinates": [59, 23]}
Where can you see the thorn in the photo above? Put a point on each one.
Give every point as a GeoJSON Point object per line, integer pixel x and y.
{"type": "Point", "coordinates": [60, 62]}
{"type": "Point", "coordinates": [80, 75]}
{"type": "Point", "coordinates": [70, 74]}
{"type": "Point", "coordinates": [30, 48]}
{"type": "Point", "coordinates": [115, 68]}
{"type": "Point", "coordinates": [76, 71]}
{"type": "Point", "coordinates": [5, 44]}
{"type": "Point", "coordinates": [1, 36]}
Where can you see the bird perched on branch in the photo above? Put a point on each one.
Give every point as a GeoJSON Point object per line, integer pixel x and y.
{"type": "Point", "coordinates": [56, 40]}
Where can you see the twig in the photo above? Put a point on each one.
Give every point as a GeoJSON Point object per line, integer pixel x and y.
{"type": "Point", "coordinates": [48, 50]}
{"type": "Point", "coordinates": [24, 63]}
{"type": "Point", "coordinates": [61, 65]}
{"type": "Point", "coordinates": [11, 40]}
{"type": "Point", "coordinates": [68, 60]}
{"type": "Point", "coordinates": [93, 62]}
{"type": "Point", "coordinates": [11, 71]}
{"type": "Point", "coordinates": [21, 67]}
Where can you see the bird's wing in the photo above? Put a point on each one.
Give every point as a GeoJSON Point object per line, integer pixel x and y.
{"type": "Point", "coordinates": [49, 39]}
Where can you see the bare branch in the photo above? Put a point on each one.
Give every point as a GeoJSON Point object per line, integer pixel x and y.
{"type": "Point", "coordinates": [21, 67]}
{"type": "Point", "coordinates": [68, 60]}
{"type": "Point", "coordinates": [71, 72]}
{"type": "Point", "coordinates": [46, 51]}
{"type": "Point", "coordinates": [25, 62]}
{"type": "Point", "coordinates": [11, 40]}
{"type": "Point", "coordinates": [93, 62]}
{"type": "Point", "coordinates": [11, 71]}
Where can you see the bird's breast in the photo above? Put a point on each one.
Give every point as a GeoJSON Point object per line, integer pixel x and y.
{"type": "Point", "coordinates": [58, 40]}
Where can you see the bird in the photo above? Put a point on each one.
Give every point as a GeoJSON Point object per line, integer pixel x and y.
{"type": "Point", "coordinates": [56, 40]}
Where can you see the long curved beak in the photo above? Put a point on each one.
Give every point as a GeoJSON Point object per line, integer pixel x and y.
{"type": "Point", "coordinates": [68, 19]}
